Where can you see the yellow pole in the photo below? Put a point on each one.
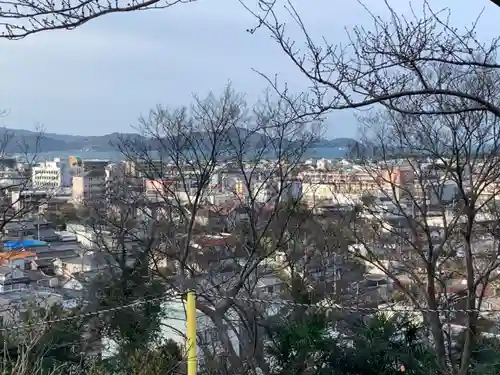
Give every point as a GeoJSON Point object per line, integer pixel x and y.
{"type": "Point", "coordinates": [191, 333]}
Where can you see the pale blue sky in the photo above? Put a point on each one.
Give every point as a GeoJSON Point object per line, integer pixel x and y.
{"type": "Point", "coordinates": [99, 78]}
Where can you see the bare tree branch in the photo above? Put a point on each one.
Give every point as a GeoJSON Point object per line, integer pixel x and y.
{"type": "Point", "coordinates": [389, 65]}
{"type": "Point", "coordinates": [20, 18]}
{"type": "Point", "coordinates": [437, 132]}
{"type": "Point", "coordinates": [212, 185]}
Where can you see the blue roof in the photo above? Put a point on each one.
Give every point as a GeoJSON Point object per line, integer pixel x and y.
{"type": "Point", "coordinates": [22, 244]}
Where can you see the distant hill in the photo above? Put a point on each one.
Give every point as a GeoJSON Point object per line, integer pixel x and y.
{"type": "Point", "coordinates": [21, 140]}
{"type": "Point", "coordinates": [347, 143]}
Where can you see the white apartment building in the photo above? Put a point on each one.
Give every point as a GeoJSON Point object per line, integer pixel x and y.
{"type": "Point", "coordinates": [50, 175]}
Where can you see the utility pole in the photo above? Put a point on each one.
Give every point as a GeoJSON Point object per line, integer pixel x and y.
{"type": "Point", "coordinates": [191, 334]}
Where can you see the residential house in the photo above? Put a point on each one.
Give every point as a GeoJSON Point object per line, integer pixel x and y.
{"type": "Point", "coordinates": [224, 217]}
{"type": "Point", "coordinates": [12, 278]}
{"type": "Point", "coordinates": [213, 252]}
{"type": "Point", "coordinates": [18, 229]}
{"type": "Point", "coordinates": [73, 283]}
{"type": "Point", "coordinates": [37, 228]}
{"type": "Point", "coordinates": [28, 200]}
{"type": "Point", "coordinates": [207, 254]}
{"type": "Point", "coordinates": [17, 259]}
{"type": "Point", "coordinates": [15, 300]}
{"type": "Point", "coordinates": [46, 266]}
{"type": "Point", "coordinates": [102, 239]}
{"type": "Point", "coordinates": [84, 263]}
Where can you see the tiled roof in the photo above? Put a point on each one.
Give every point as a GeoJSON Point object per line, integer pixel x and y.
{"type": "Point", "coordinates": [12, 255]}
{"type": "Point", "coordinates": [212, 241]}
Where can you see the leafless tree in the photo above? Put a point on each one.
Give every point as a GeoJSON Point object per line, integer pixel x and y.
{"type": "Point", "coordinates": [211, 190]}
{"type": "Point", "coordinates": [19, 19]}
{"type": "Point", "coordinates": [435, 210]}
{"type": "Point", "coordinates": [19, 196]}
{"type": "Point", "coordinates": [496, 2]}
{"type": "Point", "coordinates": [25, 350]}
{"type": "Point", "coordinates": [391, 64]}
{"type": "Point", "coordinates": [436, 85]}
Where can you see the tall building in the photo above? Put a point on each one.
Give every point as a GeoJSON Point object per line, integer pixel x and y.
{"type": "Point", "coordinates": [95, 164]}
{"type": "Point", "coordinates": [79, 166]}
{"type": "Point", "coordinates": [89, 186]}
{"type": "Point", "coordinates": [150, 169]}
{"type": "Point", "coordinates": [115, 174]}
{"type": "Point", "coordinates": [50, 175]}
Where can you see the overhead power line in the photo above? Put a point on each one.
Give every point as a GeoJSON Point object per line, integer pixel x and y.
{"type": "Point", "coordinates": [270, 302]}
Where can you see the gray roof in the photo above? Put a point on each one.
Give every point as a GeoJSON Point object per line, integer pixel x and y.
{"type": "Point", "coordinates": [36, 275]}
{"type": "Point", "coordinates": [16, 226]}
{"type": "Point", "coordinates": [96, 260]}
{"type": "Point", "coordinates": [64, 254]}
{"type": "Point", "coordinates": [59, 246]}
{"type": "Point", "coordinates": [46, 234]}
{"type": "Point", "coordinates": [43, 262]}
{"type": "Point", "coordinates": [85, 260]}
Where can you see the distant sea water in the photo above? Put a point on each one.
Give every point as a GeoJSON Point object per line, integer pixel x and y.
{"type": "Point", "coordinates": [326, 153]}
{"type": "Point", "coordinates": [113, 155]}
